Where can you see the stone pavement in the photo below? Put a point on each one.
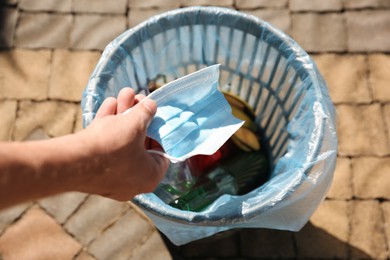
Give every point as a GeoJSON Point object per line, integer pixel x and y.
{"type": "Point", "coordinates": [48, 50]}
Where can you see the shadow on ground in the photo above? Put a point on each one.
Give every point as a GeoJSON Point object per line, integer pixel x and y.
{"type": "Point", "coordinates": [309, 243]}
{"type": "Point", "coordinates": [3, 21]}
{"type": "Point", "coordinates": [5, 40]}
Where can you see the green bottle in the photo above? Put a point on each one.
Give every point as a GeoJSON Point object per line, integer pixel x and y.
{"type": "Point", "coordinates": [219, 182]}
{"type": "Point", "coordinates": [235, 177]}
{"type": "Point", "coordinates": [168, 192]}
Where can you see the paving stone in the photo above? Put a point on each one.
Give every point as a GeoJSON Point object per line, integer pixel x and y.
{"type": "Point", "coordinates": [280, 18]}
{"type": "Point", "coordinates": [379, 76]}
{"type": "Point", "coordinates": [9, 215]}
{"type": "Point", "coordinates": [371, 177]}
{"type": "Point", "coordinates": [120, 240]}
{"type": "Point", "coordinates": [24, 74]}
{"type": "Point", "coordinates": [70, 73]}
{"type": "Point", "coordinates": [37, 236]}
{"type": "Point", "coordinates": [207, 2]}
{"type": "Point", "coordinates": [46, 5]}
{"type": "Point", "coordinates": [54, 118]}
{"type": "Point", "coordinates": [139, 211]}
{"type": "Point", "coordinates": [326, 235]}
{"type": "Point", "coordinates": [95, 215]}
{"type": "Point", "coordinates": [346, 77]}
{"type": "Point", "coordinates": [359, 4]}
{"type": "Point", "coordinates": [361, 130]}
{"type": "Point", "coordinates": [100, 6]}
{"type": "Point", "coordinates": [36, 135]}
{"type": "Point", "coordinates": [153, 248]}
{"type": "Point", "coordinates": [250, 4]}
{"type": "Point", "coordinates": [386, 111]}
{"type": "Point", "coordinates": [84, 255]}
{"type": "Point", "coordinates": [154, 4]}
{"type": "Point", "coordinates": [8, 20]}
{"type": "Point", "coordinates": [386, 213]}
{"type": "Point", "coordinates": [8, 116]}
{"type": "Point", "coordinates": [320, 32]}
{"type": "Point", "coordinates": [94, 32]}
{"type": "Point", "coordinates": [79, 121]}
{"type": "Point", "coordinates": [267, 244]}
{"type": "Point", "coordinates": [341, 187]}
{"type": "Point", "coordinates": [63, 205]}
{"type": "Point", "coordinates": [368, 30]}
{"type": "Point", "coordinates": [43, 30]}
{"type": "Point", "coordinates": [367, 231]}
{"type": "Point", "coordinates": [136, 16]}
{"type": "Point", "coordinates": [315, 5]}
{"type": "Point", "coordinates": [221, 245]}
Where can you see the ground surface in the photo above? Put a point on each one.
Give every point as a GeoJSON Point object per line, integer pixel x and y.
{"type": "Point", "coordinates": [49, 49]}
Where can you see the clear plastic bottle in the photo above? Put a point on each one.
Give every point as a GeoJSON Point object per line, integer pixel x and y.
{"type": "Point", "coordinates": [177, 181]}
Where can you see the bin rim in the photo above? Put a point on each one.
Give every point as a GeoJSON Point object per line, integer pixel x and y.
{"type": "Point", "coordinates": [302, 64]}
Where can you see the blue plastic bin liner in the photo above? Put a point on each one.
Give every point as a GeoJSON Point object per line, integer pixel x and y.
{"type": "Point", "coordinates": [263, 66]}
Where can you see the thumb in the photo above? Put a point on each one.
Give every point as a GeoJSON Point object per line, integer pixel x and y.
{"type": "Point", "coordinates": [142, 113]}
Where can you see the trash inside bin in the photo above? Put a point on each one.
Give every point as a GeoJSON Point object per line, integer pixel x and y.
{"type": "Point", "coordinates": [260, 65]}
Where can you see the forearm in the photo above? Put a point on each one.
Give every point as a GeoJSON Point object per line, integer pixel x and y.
{"type": "Point", "coordinates": [31, 170]}
{"type": "Point", "coordinates": [108, 158]}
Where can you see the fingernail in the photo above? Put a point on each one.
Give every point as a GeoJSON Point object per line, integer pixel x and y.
{"type": "Point", "coordinates": [149, 105]}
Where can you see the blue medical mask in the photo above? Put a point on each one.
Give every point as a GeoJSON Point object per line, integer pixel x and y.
{"type": "Point", "coordinates": [193, 116]}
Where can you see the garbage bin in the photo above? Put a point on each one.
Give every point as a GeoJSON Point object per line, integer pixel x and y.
{"type": "Point", "coordinates": [263, 66]}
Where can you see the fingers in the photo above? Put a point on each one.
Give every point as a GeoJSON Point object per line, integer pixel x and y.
{"type": "Point", "coordinates": [125, 100]}
{"type": "Point", "coordinates": [111, 106]}
{"type": "Point", "coordinates": [107, 108]}
{"type": "Point", "coordinates": [138, 98]}
{"type": "Point", "coordinates": [142, 114]}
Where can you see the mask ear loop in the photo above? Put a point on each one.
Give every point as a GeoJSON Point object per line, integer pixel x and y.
{"type": "Point", "coordinates": [172, 159]}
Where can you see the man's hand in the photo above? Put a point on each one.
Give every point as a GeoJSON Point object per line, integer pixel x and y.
{"type": "Point", "coordinates": [122, 166]}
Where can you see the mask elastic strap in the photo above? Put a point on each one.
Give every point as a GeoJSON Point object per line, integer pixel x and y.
{"type": "Point", "coordinates": [172, 159]}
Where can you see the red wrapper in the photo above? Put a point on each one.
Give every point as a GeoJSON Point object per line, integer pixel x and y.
{"type": "Point", "coordinates": [201, 164]}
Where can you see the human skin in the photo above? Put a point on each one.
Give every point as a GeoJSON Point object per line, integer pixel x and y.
{"type": "Point", "coordinates": [108, 158]}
